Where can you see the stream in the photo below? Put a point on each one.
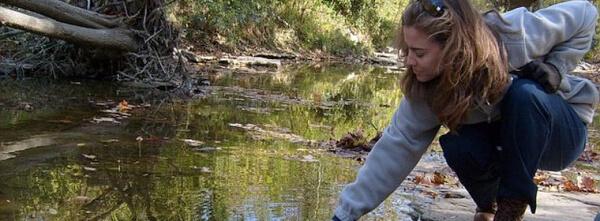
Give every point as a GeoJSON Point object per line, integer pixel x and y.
{"type": "Point", "coordinates": [254, 147]}
{"type": "Point", "coordinates": [242, 152]}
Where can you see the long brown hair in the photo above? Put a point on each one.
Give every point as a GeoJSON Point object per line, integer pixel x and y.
{"type": "Point", "coordinates": [473, 65]}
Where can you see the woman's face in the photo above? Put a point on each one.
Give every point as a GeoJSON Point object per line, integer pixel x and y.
{"type": "Point", "coordinates": [424, 54]}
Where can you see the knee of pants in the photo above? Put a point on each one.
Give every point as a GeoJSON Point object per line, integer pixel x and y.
{"type": "Point", "coordinates": [466, 158]}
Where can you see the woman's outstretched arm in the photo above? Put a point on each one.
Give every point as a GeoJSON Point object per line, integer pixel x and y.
{"type": "Point", "coordinates": [404, 141]}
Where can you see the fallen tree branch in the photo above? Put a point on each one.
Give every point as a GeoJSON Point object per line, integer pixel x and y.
{"type": "Point", "coordinates": [64, 12]}
{"type": "Point", "coordinates": [119, 39]}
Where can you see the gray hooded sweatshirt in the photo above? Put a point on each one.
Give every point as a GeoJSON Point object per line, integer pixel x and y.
{"type": "Point", "coordinates": [561, 34]}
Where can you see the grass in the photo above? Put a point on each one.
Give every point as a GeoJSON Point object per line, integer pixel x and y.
{"type": "Point", "coordinates": [335, 27]}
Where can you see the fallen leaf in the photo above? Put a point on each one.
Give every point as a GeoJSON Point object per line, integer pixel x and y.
{"type": "Point", "coordinates": [423, 180]}
{"type": "Point", "coordinates": [438, 178]}
{"type": "Point", "coordinates": [123, 106]}
{"type": "Point", "coordinates": [589, 155]}
{"type": "Point", "coordinates": [569, 186]}
{"type": "Point", "coordinates": [540, 177]}
{"type": "Point", "coordinates": [429, 193]}
{"type": "Point", "coordinates": [587, 184]}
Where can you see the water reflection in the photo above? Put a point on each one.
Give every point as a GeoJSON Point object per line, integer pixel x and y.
{"type": "Point", "coordinates": [109, 173]}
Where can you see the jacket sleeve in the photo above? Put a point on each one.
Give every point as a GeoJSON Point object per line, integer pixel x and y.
{"type": "Point", "coordinates": [402, 144]}
{"type": "Point", "coordinates": [560, 34]}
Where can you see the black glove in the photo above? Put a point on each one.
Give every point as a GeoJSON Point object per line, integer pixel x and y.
{"type": "Point", "coordinates": [543, 73]}
{"type": "Point", "coordinates": [335, 218]}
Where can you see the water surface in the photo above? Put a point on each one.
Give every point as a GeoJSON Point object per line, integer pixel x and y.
{"type": "Point", "coordinates": [60, 165]}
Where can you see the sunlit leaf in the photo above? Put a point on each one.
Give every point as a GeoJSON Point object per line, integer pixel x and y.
{"type": "Point", "coordinates": [587, 184]}
{"type": "Point", "coordinates": [570, 186]}
{"type": "Point", "coordinates": [438, 178]}
{"type": "Point", "coordinates": [123, 106]}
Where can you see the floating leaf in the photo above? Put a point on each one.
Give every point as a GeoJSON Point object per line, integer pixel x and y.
{"type": "Point", "coordinates": [123, 106]}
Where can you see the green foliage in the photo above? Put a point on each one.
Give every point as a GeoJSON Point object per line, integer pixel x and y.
{"type": "Point", "coordinates": [594, 54]}
{"type": "Point", "coordinates": [331, 26]}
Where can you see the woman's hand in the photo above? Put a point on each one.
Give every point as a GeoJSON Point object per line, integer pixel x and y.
{"type": "Point", "coordinates": [544, 73]}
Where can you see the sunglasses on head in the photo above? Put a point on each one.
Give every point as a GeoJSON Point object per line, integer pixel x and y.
{"type": "Point", "coordinates": [435, 8]}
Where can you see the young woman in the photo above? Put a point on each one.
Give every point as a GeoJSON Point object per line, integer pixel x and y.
{"type": "Point", "coordinates": [500, 84]}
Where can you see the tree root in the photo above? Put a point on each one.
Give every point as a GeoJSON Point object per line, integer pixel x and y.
{"type": "Point", "coordinates": [150, 53]}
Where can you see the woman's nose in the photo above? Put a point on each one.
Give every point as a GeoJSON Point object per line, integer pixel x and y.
{"type": "Point", "coordinates": [410, 61]}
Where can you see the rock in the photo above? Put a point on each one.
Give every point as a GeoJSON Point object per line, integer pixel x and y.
{"type": "Point", "coordinates": [191, 57]}
{"type": "Point", "coordinates": [251, 61]}
{"type": "Point", "coordinates": [193, 143]}
{"type": "Point", "coordinates": [550, 206]}
{"type": "Point", "coordinates": [385, 59]}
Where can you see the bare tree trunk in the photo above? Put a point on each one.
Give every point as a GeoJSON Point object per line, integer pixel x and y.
{"type": "Point", "coordinates": [66, 13]}
{"type": "Point", "coordinates": [149, 34]}
{"type": "Point", "coordinates": [120, 39]}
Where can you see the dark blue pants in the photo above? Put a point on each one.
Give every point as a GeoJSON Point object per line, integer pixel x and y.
{"type": "Point", "coordinates": [497, 160]}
